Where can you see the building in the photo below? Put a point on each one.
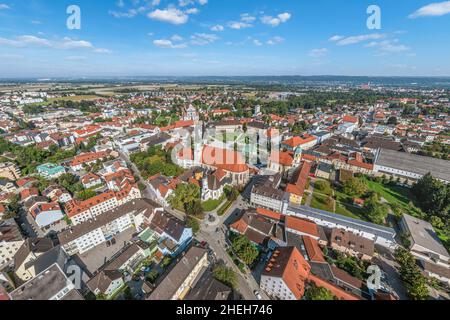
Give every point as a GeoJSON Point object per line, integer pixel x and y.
{"type": "Point", "coordinates": [91, 233]}
{"type": "Point", "coordinates": [304, 142]}
{"type": "Point", "coordinates": [9, 171]}
{"type": "Point", "coordinates": [30, 250]}
{"type": "Point", "coordinates": [106, 282]}
{"type": "Point", "coordinates": [270, 198]}
{"type": "Point", "coordinates": [257, 228]}
{"type": "Point", "coordinates": [50, 284]}
{"type": "Point", "coordinates": [287, 275]}
{"type": "Point", "coordinates": [86, 159]}
{"type": "Point", "coordinates": [46, 214]}
{"type": "Point", "coordinates": [213, 185]}
{"type": "Point", "coordinates": [177, 284]}
{"type": "Point", "coordinates": [424, 242]}
{"type": "Point", "coordinates": [352, 244]}
{"type": "Point", "coordinates": [10, 242]}
{"type": "Point", "coordinates": [91, 180]}
{"type": "Point", "coordinates": [409, 166]}
{"type": "Point", "coordinates": [381, 235]}
{"type": "Point", "coordinates": [51, 171]}
{"type": "Point", "coordinates": [80, 211]}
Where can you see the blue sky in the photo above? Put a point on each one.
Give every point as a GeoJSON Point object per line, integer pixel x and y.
{"type": "Point", "coordinates": [223, 37]}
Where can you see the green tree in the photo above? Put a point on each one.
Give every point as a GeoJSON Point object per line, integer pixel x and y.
{"type": "Point", "coordinates": [432, 195]}
{"type": "Point", "coordinates": [355, 187]}
{"type": "Point", "coordinates": [244, 249]}
{"type": "Point", "coordinates": [318, 293]}
{"type": "Point", "coordinates": [415, 282]}
{"type": "Point", "coordinates": [152, 276]}
{"type": "Point", "coordinates": [185, 193]}
{"type": "Point", "coordinates": [375, 211]}
{"type": "Point", "coordinates": [85, 194]}
{"type": "Point", "coordinates": [226, 275]}
{"type": "Point", "coordinates": [193, 223]}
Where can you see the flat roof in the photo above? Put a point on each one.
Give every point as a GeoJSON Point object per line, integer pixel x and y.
{"type": "Point", "coordinates": [421, 165]}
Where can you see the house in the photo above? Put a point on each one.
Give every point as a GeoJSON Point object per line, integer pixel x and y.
{"type": "Point", "coordinates": [287, 275]}
{"type": "Point", "coordinates": [86, 159]}
{"type": "Point", "coordinates": [424, 242]}
{"type": "Point", "coordinates": [257, 228]}
{"type": "Point", "coordinates": [162, 187]}
{"type": "Point", "coordinates": [324, 170]}
{"type": "Point", "coordinates": [180, 280]}
{"type": "Point", "coordinates": [57, 194]}
{"type": "Point", "coordinates": [438, 272]}
{"type": "Point", "coordinates": [171, 234]}
{"type": "Point", "coordinates": [10, 241]}
{"type": "Point", "coordinates": [302, 227]}
{"type": "Point", "coordinates": [9, 170]}
{"type": "Point", "coordinates": [281, 162]}
{"type": "Point", "coordinates": [304, 142]}
{"type": "Point", "coordinates": [207, 288]}
{"type": "Point", "coordinates": [91, 180]}
{"type": "Point", "coordinates": [297, 189]}
{"type": "Point", "coordinates": [50, 284]}
{"type": "Point", "coordinates": [30, 250]}
{"type": "Point", "coordinates": [106, 282]}
{"type": "Point", "coordinates": [50, 171]}
{"type": "Point", "coordinates": [7, 186]}
{"type": "Point", "coordinates": [352, 244]}
{"type": "Point", "coordinates": [27, 194]}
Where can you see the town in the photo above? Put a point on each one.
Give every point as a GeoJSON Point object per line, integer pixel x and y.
{"type": "Point", "coordinates": [197, 191]}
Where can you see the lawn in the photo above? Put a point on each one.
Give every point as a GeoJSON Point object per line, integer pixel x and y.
{"type": "Point", "coordinates": [322, 202]}
{"type": "Point", "coordinates": [393, 194]}
{"type": "Point", "coordinates": [224, 208]}
{"type": "Point", "coordinates": [211, 205]}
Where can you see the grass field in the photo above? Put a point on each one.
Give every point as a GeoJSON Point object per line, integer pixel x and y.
{"type": "Point", "coordinates": [211, 205]}
{"type": "Point", "coordinates": [398, 195]}
{"type": "Point", "coordinates": [322, 202]}
{"type": "Point", "coordinates": [75, 98]}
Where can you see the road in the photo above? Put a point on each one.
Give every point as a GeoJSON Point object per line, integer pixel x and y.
{"type": "Point", "coordinates": [214, 233]}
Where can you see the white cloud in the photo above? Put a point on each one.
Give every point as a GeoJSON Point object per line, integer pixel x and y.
{"type": "Point", "coordinates": [201, 39]}
{"type": "Point", "coordinates": [237, 25]}
{"type": "Point", "coordinates": [276, 21]}
{"type": "Point", "coordinates": [202, 2]}
{"type": "Point", "coordinates": [164, 43]}
{"type": "Point", "coordinates": [432, 10]}
{"type": "Point", "coordinates": [176, 38]}
{"type": "Point", "coordinates": [69, 43]}
{"type": "Point", "coordinates": [247, 18]}
{"type": "Point", "coordinates": [256, 42]}
{"type": "Point", "coordinates": [171, 15]}
{"type": "Point", "coordinates": [130, 13]}
{"type": "Point", "coordinates": [217, 28]}
{"type": "Point", "coordinates": [192, 11]}
{"type": "Point", "coordinates": [4, 6]}
{"type": "Point", "coordinates": [388, 46]}
{"type": "Point", "coordinates": [184, 3]}
{"type": "Point", "coordinates": [102, 50]}
{"type": "Point", "coordinates": [344, 41]}
{"type": "Point", "coordinates": [275, 40]}
{"type": "Point", "coordinates": [33, 40]}
{"type": "Point", "coordinates": [336, 38]}
{"type": "Point", "coordinates": [318, 53]}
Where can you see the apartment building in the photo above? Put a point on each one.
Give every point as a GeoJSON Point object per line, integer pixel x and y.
{"type": "Point", "coordinates": [177, 284]}
{"type": "Point", "coordinates": [269, 198]}
{"type": "Point", "coordinates": [10, 241]}
{"type": "Point", "coordinates": [81, 211]}
{"type": "Point", "coordinates": [9, 171]}
{"type": "Point", "coordinates": [87, 158]}
{"type": "Point", "coordinates": [86, 235]}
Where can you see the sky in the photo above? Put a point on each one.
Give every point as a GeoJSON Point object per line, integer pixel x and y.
{"type": "Point", "coordinates": [223, 38]}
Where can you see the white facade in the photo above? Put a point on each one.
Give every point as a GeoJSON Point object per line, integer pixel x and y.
{"type": "Point", "coordinates": [275, 287]}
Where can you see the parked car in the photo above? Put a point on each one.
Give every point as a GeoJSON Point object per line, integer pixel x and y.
{"type": "Point", "coordinates": [258, 295]}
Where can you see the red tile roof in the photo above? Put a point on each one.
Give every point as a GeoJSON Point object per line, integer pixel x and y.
{"type": "Point", "coordinates": [302, 225]}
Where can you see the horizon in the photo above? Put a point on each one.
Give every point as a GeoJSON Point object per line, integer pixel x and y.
{"type": "Point", "coordinates": [201, 38]}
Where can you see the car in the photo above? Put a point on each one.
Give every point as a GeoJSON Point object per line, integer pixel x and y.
{"type": "Point", "coordinates": [203, 244]}
{"type": "Point", "coordinates": [258, 295]}
{"type": "Point", "coordinates": [113, 242]}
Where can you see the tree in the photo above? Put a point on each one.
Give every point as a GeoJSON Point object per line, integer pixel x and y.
{"type": "Point", "coordinates": [244, 249]}
{"type": "Point", "coordinates": [415, 282]}
{"type": "Point", "coordinates": [376, 212]}
{"type": "Point", "coordinates": [85, 194]}
{"type": "Point", "coordinates": [185, 193]}
{"type": "Point", "coordinates": [231, 193]}
{"type": "Point", "coordinates": [318, 293]}
{"type": "Point", "coordinates": [433, 196]}
{"type": "Point", "coordinates": [127, 294]}
{"type": "Point", "coordinates": [392, 121]}
{"type": "Point", "coordinates": [355, 187]}
{"type": "Point", "coordinates": [152, 276]}
{"type": "Point", "coordinates": [194, 208]}
{"type": "Point", "coordinates": [193, 223]}
{"type": "Point", "coordinates": [226, 275]}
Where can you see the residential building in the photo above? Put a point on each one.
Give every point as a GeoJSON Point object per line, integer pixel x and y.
{"type": "Point", "coordinates": [9, 171]}
{"type": "Point", "coordinates": [30, 250]}
{"type": "Point", "coordinates": [10, 241]}
{"type": "Point", "coordinates": [352, 244]}
{"type": "Point", "coordinates": [177, 284]}
{"type": "Point", "coordinates": [424, 242]}
{"type": "Point", "coordinates": [269, 198]}
{"type": "Point", "coordinates": [50, 284]}
{"type": "Point", "coordinates": [50, 171]}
